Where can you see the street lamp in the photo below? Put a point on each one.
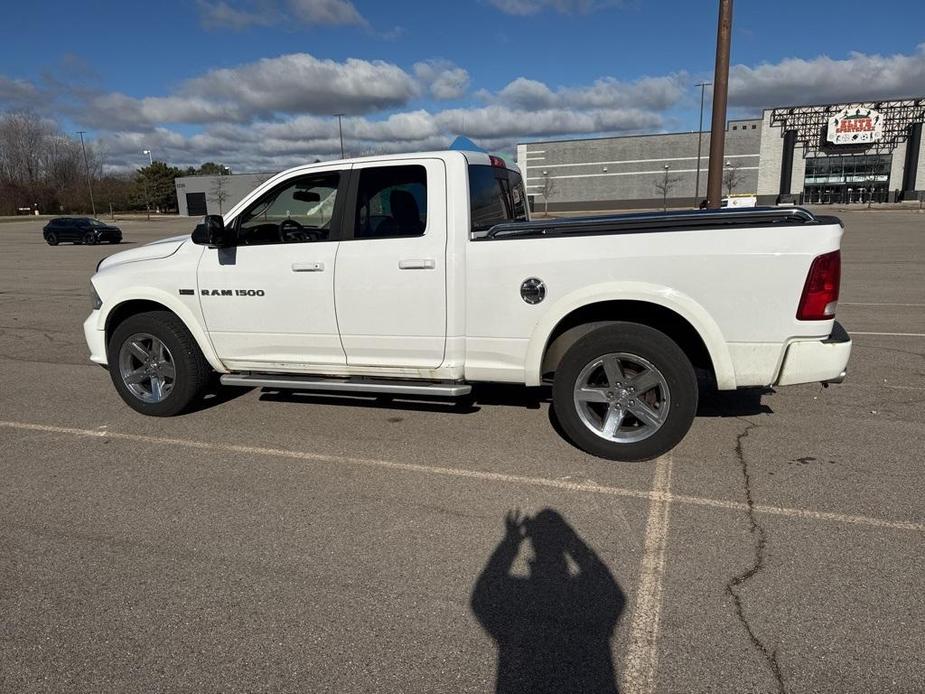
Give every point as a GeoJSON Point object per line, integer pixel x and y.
{"type": "Point", "coordinates": [703, 86]}
{"type": "Point", "coordinates": [144, 180]}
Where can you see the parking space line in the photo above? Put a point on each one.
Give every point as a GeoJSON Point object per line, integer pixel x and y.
{"type": "Point", "coordinates": [858, 332]}
{"type": "Point", "coordinates": [642, 655]}
{"type": "Point", "coordinates": [808, 514]}
{"type": "Point", "coordinates": [585, 487]}
{"type": "Point", "coordinates": [878, 303]}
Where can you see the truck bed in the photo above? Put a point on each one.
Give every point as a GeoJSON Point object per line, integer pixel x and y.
{"type": "Point", "coordinates": [651, 222]}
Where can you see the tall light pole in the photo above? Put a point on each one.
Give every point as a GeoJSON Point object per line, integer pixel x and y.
{"type": "Point", "coordinates": [703, 86]}
{"type": "Point", "coordinates": [720, 95]}
{"type": "Point", "coordinates": [144, 180]}
{"type": "Point", "coordinates": [340, 131]}
{"type": "Point", "coordinates": [87, 166]}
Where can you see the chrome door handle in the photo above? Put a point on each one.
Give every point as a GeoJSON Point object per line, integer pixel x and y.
{"type": "Point", "coordinates": [308, 267]}
{"type": "Point", "coordinates": [417, 264]}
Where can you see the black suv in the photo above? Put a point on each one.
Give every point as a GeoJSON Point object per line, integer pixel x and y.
{"type": "Point", "coordinates": [84, 230]}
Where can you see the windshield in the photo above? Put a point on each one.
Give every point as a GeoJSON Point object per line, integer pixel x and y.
{"type": "Point", "coordinates": [496, 195]}
{"type": "Point", "coordinates": [97, 223]}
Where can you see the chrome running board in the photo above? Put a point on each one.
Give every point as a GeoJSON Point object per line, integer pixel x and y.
{"type": "Point", "coordinates": [347, 385]}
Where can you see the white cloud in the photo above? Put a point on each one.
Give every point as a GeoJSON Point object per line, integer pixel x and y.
{"type": "Point", "coordinates": [290, 84]}
{"type": "Point", "coordinates": [528, 7]}
{"type": "Point", "coordinates": [859, 77]}
{"type": "Point", "coordinates": [18, 94]}
{"type": "Point", "coordinates": [443, 79]}
{"type": "Point", "coordinates": [655, 93]}
{"type": "Point", "coordinates": [498, 121]}
{"type": "Point", "coordinates": [220, 14]}
{"type": "Point", "coordinates": [242, 14]}
{"type": "Point", "coordinates": [326, 12]}
{"type": "Point", "coordinates": [301, 83]}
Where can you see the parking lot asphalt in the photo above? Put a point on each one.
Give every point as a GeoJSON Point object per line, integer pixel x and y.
{"type": "Point", "coordinates": [274, 542]}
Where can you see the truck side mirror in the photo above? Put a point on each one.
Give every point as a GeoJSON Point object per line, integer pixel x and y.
{"type": "Point", "coordinates": [212, 232]}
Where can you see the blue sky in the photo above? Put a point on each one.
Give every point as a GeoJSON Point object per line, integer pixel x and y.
{"type": "Point", "coordinates": [252, 83]}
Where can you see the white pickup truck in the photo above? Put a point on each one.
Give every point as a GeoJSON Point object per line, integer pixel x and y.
{"type": "Point", "coordinates": [422, 275]}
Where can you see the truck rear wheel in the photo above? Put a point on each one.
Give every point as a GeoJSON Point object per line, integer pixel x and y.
{"type": "Point", "coordinates": [625, 392]}
{"type": "Point", "coordinates": [155, 364]}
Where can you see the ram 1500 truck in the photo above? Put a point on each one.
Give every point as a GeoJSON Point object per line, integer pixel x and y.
{"type": "Point", "coordinates": [423, 274]}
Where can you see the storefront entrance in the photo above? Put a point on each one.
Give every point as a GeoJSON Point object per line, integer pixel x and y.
{"type": "Point", "coordinates": [847, 179]}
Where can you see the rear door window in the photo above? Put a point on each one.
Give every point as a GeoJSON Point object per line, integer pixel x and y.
{"type": "Point", "coordinates": [391, 202]}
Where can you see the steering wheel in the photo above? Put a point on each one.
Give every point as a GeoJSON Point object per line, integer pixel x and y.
{"type": "Point", "coordinates": [291, 231]}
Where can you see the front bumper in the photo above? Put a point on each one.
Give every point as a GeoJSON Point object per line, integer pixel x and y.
{"type": "Point", "coordinates": [96, 339]}
{"type": "Point", "coordinates": [817, 361]}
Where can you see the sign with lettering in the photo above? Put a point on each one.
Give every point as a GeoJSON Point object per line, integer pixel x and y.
{"type": "Point", "coordinates": [855, 125]}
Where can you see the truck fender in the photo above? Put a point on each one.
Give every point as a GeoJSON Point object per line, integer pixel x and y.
{"type": "Point", "coordinates": [171, 303]}
{"type": "Point", "coordinates": [665, 297]}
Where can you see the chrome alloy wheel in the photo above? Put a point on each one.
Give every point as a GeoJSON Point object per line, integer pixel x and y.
{"type": "Point", "coordinates": [147, 367]}
{"type": "Point", "coordinates": [622, 397]}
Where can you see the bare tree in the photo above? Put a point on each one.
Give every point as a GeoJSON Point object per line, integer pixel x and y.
{"type": "Point", "coordinates": [42, 168]}
{"type": "Point", "coordinates": [219, 193]}
{"type": "Point", "coordinates": [731, 177]}
{"type": "Point", "coordinates": [547, 188]}
{"type": "Point", "coordinates": [664, 186]}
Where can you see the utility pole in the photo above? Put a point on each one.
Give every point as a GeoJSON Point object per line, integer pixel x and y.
{"type": "Point", "coordinates": [150, 159]}
{"type": "Point", "coordinates": [340, 131]}
{"type": "Point", "coordinates": [720, 96]}
{"type": "Point", "coordinates": [703, 86]}
{"type": "Point", "coordinates": [87, 166]}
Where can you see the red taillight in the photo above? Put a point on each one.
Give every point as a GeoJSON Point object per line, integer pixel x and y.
{"type": "Point", "coordinates": [497, 161]}
{"type": "Point", "coordinates": [820, 293]}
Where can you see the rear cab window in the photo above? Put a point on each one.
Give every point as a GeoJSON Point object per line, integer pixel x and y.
{"type": "Point", "coordinates": [496, 195]}
{"type": "Point", "coordinates": [391, 202]}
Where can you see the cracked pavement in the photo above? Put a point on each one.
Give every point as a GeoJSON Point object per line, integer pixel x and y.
{"type": "Point", "coordinates": [317, 543]}
{"type": "Point", "coordinates": [736, 584]}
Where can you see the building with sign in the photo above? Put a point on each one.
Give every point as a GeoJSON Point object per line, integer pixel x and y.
{"type": "Point", "coordinates": [824, 154]}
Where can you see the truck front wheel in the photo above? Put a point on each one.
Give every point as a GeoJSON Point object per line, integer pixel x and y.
{"type": "Point", "coordinates": [625, 392]}
{"type": "Point", "coordinates": [155, 364]}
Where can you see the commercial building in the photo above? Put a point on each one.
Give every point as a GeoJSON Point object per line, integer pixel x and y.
{"type": "Point", "coordinates": [832, 153]}
{"type": "Point", "coordinates": [200, 195]}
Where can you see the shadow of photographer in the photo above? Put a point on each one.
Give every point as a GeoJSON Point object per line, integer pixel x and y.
{"type": "Point", "coordinates": [552, 627]}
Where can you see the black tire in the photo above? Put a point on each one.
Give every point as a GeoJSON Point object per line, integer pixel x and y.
{"type": "Point", "coordinates": [52, 238]}
{"type": "Point", "coordinates": [671, 365]}
{"type": "Point", "coordinates": [192, 371]}
{"type": "Point", "coordinates": [90, 239]}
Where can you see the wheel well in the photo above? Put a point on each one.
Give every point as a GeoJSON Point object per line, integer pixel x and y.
{"type": "Point", "coordinates": [583, 320]}
{"type": "Point", "coordinates": [130, 308]}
